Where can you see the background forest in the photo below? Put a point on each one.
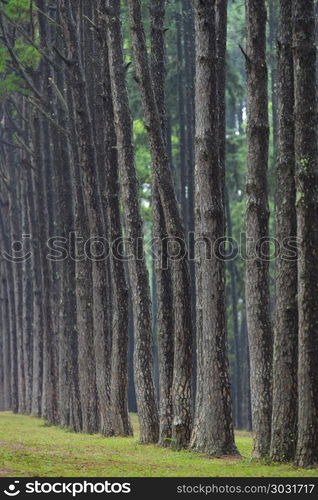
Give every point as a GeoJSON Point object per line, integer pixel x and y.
{"type": "Point", "coordinates": [114, 129]}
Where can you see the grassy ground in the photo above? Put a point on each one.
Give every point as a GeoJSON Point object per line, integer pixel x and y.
{"type": "Point", "coordinates": [30, 448]}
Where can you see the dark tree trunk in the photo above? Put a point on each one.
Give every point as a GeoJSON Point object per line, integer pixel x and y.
{"type": "Point", "coordinates": [6, 230]}
{"type": "Point", "coordinates": [89, 175]}
{"type": "Point", "coordinates": [182, 177]}
{"type": "Point", "coordinates": [182, 376]}
{"type": "Point", "coordinates": [306, 154]}
{"type": "Point", "coordinates": [284, 418]}
{"type": "Point", "coordinates": [221, 40]}
{"type": "Point", "coordinates": [213, 431]}
{"type": "Point", "coordinates": [68, 376]}
{"type": "Point", "coordinates": [246, 383]}
{"type": "Point", "coordinates": [189, 49]}
{"type": "Point", "coordinates": [49, 386]}
{"type": "Point", "coordinates": [16, 235]}
{"type": "Point", "coordinates": [121, 425]}
{"type": "Point", "coordinates": [139, 283]}
{"type": "Point", "coordinates": [27, 296]}
{"type": "Point", "coordinates": [257, 216]}
{"type": "Point", "coordinates": [237, 379]}
{"type": "Point", "coordinates": [163, 284]}
{"type": "Point", "coordinates": [273, 34]}
{"type": "Point", "coordinates": [37, 330]}
{"type": "Point", "coordinates": [5, 327]}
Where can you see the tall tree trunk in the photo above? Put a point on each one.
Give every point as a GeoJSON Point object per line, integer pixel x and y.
{"type": "Point", "coordinates": [92, 40]}
{"type": "Point", "coordinates": [273, 33]}
{"type": "Point", "coordinates": [5, 326]}
{"type": "Point", "coordinates": [139, 283]}
{"type": "Point", "coordinates": [257, 216]}
{"type": "Point", "coordinates": [164, 317]}
{"type": "Point", "coordinates": [6, 224]}
{"type": "Point", "coordinates": [306, 153]}
{"type": "Point", "coordinates": [189, 49]}
{"type": "Point", "coordinates": [221, 40]}
{"type": "Point", "coordinates": [16, 235]}
{"type": "Point", "coordinates": [182, 174]}
{"type": "Point", "coordinates": [68, 370]}
{"type": "Point", "coordinates": [246, 382]}
{"type": "Point", "coordinates": [182, 376]}
{"type": "Point", "coordinates": [91, 190]}
{"type": "Point", "coordinates": [49, 386]}
{"type": "Point", "coordinates": [27, 296]}
{"type": "Point", "coordinates": [213, 431]}
{"type": "Point", "coordinates": [37, 330]}
{"type": "Point", "coordinates": [237, 379]}
{"type": "Point", "coordinates": [121, 424]}
{"type": "Point", "coordinates": [284, 417]}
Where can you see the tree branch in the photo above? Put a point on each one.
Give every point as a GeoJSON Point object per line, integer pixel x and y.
{"type": "Point", "coordinates": [48, 117]}
{"type": "Point", "coordinates": [248, 60]}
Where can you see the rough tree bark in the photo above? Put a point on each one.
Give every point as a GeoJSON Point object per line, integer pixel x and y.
{"type": "Point", "coordinates": [91, 191]}
{"type": "Point", "coordinates": [182, 375]}
{"type": "Point", "coordinates": [182, 174]}
{"type": "Point", "coordinates": [5, 299]}
{"type": "Point", "coordinates": [144, 385]}
{"type": "Point", "coordinates": [213, 430]}
{"type": "Point", "coordinates": [68, 372]}
{"type": "Point", "coordinates": [306, 153]}
{"type": "Point", "coordinates": [121, 424]}
{"type": "Point", "coordinates": [257, 216]}
{"type": "Point", "coordinates": [221, 41]}
{"type": "Point", "coordinates": [6, 229]}
{"type": "Point", "coordinates": [163, 283]}
{"type": "Point", "coordinates": [284, 417]}
{"type": "Point", "coordinates": [27, 306]}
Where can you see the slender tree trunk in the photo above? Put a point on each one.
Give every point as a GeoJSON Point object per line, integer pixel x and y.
{"type": "Point", "coordinates": [189, 49]}
{"type": "Point", "coordinates": [10, 159]}
{"type": "Point", "coordinates": [164, 316]}
{"type": "Point", "coordinates": [16, 234]}
{"type": "Point", "coordinates": [121, 424]}
{"type": "Point", "coordinates": [182, 177]}
{"type": "Point", "coordinates": [89, 175]}
{"type": "Point", "coordinates": [221, 34]}
{"type": "Point", "coordinates": [213, 431]}
{"type": "Point", "coordinates": [93, 42]}
{"type": "Point", "coordinates": [284, 418]}
{"type": "Point", "coordinates": [37, 325]}
{"type": "Point", "coordinates": [246, 383]}
{"type": "Point", "coordinates": [49, 392]}
{"type": "Point", "coordinates": [306, 153]}
{"type": "Point", "coordinates": [237, 380]}
{"type": "Point", "coordinates": [257, 216]}
{"type": "Point", "coordinates": [27, 297]}
{"type": "Point", "coordinates": [273, 28]}
{"type": "Point", "coordinates": [5, 326]}
{"type": "Point", "coordinates": [182, 376]}
{"type": "Point", "coordinates": [139, 283]}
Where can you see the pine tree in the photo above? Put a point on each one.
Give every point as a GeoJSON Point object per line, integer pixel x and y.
{"type": "Point", "coordinates": [257, 217]}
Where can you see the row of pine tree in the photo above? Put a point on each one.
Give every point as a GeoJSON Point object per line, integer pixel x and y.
{"type": "Point", "coordinates": [124, 126]}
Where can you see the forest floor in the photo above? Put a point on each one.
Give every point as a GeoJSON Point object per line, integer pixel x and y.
{"type": "Point", "coordinates": [28, 447]}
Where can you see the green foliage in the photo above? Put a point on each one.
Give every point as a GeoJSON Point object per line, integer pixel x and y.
{"type": "Point", "coordinates": [16, 15]}
{"type": "Point", "coordinates": [18, 9]}
{"type": "Point", "coordinates": [9, 84]}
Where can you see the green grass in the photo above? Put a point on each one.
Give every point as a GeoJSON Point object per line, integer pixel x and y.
{"type": "Point", "coordinates": [30, 448]}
